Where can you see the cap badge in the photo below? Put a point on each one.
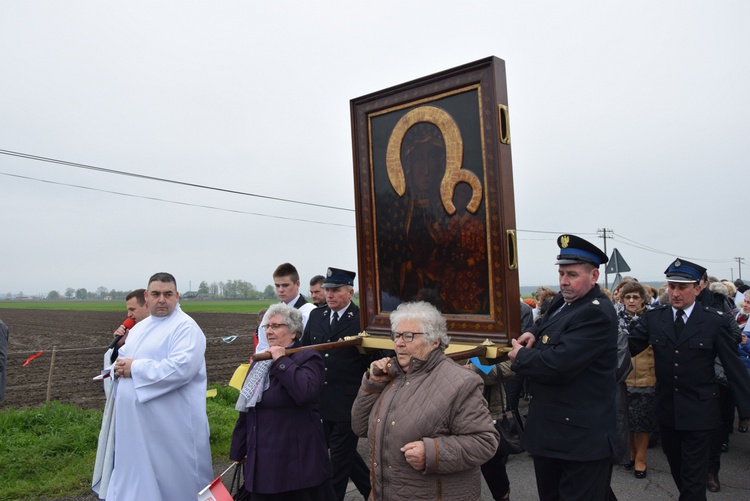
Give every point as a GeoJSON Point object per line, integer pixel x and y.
{"type": "Point", "coordinates": [329, 272]}
{"type": "Point", "coordinates": [677, 263]}
{"type": "Point", "coordinates": [545, 339]}
{"type": "Point", "coordinates": [595, 301]}
{"type": "Point", "coordinates": [564, 241]}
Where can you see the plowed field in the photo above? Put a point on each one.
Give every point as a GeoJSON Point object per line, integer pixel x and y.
{"type": "Point", "coordinates": [79, 340]}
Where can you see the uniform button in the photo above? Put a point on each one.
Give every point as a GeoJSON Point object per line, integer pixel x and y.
{"type": "Point", "coordinates": [407, 383]}
{"type": "Point", "coordinates": [326, 354]}
{"type": "Point", "coordinates": [282, 366]}
{"type": "Point", "coordinates": [374, 464]}
{"type": "Point", "coordinates": [567, 419]}
{"type": "Point", "coordinates": [326, 368]}
{"type": "Point", "coordinates": [378, 420]}
{"type": "Point", "coordinates": [676, 365]}
{"type": "Point", "coordinates": [393, 423]}
{"type": "Point", "coordinates": [676, 389]}
{"type": "Point", "coordinates": [325, 382]}
{"type": "Point", "coordinates": [677, 352]}
{"type": "Point", "coordinates": [701, 344]}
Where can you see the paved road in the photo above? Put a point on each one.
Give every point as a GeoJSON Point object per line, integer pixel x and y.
{"type": "Point", "coordinates": [657, 486]}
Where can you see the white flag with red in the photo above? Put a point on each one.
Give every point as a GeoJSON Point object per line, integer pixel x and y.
{"type": "Point", "coordinates": [215, 491]}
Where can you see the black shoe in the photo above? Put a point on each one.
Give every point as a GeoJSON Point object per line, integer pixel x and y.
{"type": "Point", "coordinates": [742, 428]}
{"type": "Point", "coordinates": [725, 447]}
{"type": "Point", "coordinates": [640, 474]}
{"type": "Point", "coordinates": [712, 484]}
{"type": "Point", "coordinates": [630, 465]}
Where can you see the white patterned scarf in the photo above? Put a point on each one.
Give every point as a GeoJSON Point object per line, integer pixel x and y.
{"type": "Point", "coordinates": [256, 382]}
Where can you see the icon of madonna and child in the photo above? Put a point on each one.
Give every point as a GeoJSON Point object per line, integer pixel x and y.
{"type": "Point", "coordinates": [431, 232]}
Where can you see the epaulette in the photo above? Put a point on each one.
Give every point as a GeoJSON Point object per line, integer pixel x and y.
{"type": "Point", "coordinates": [708, 308]}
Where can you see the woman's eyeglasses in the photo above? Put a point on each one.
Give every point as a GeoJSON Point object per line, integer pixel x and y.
{"type": "Point", "coordinates": [408, 336]}
{"type": "Point", "coordinates": [273, 326]}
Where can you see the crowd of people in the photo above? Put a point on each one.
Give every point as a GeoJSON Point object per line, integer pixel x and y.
{"type": "Point", "coordinates": [608, 375]}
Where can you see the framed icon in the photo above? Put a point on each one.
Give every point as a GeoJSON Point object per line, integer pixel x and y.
{"type": "Point", "coordinates": [435, 208]}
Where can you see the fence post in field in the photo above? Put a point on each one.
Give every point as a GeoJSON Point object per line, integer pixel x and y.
{"type": "Point", "coordinates": [49, 379]}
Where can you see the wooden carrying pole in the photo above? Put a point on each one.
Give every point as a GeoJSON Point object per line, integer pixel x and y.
{"type": "Point", "coordinates": [357, 341]}
{"type": "Point", "coordinates": [457, 355]}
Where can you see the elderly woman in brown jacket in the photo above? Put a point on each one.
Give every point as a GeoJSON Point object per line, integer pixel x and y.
{"type": "Point", "coordinates": [424, 415]}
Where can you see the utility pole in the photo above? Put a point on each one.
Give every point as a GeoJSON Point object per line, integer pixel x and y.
{"type": "Point", "coordinates": [739, 263]}
{"type": "Point", "coordinates": [605, 233]}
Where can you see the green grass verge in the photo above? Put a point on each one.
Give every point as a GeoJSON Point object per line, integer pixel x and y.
{"type": "Point", "coordinates": [48, 452]}
{"type": "Point", "coordinates": [188, 306]}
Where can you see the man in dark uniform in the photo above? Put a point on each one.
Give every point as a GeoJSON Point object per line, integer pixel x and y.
{"type": "Point", "coordinates": [686, 337]}
{"type": "Point", "coordinates": [344, 369]}
{"type": "Point", "coordinates": [720, 438]}
{"type": "Point", "coordinates": [569, 360]}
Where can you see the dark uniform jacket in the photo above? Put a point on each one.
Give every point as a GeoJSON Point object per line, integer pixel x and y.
{"type": "Point", "coordinates": [571, 374]}
{"type": "Point", "coordinates": [687, 394]}
{"type": "Point", "coordinates": [343, 366]}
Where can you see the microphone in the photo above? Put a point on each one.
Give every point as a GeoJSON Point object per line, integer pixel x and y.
{"type": "Point", "coordinates": [128, 324]}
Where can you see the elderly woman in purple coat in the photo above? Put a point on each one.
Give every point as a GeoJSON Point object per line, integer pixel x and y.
{"type": "Point", "coordinates": [279, 434]}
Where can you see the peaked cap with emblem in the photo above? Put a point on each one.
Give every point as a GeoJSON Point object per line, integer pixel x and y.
{"type": "Point", "coordinates": [336, 277]}
{"type": "Point", "coordinates": [575, 250]}
{"type": "Point", "coordinates": [684, 272]}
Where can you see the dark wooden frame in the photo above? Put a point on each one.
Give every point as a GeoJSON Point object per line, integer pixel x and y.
{"type": "Point", "coordinates": [467, 105]}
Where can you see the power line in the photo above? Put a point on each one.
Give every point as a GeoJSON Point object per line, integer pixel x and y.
{"type": "Point", "coordinates": [554, 232]}
{"type": "Point", "coordinates": [611, 234]}
{"type": "Point", "coordinates": [266, 197]}
{"type": "Point", "coordinates": [175, 202]}
{"type": "Point", "coordinates": [633, 243]}
{"type": "Point", "coordinates": [162, 180]}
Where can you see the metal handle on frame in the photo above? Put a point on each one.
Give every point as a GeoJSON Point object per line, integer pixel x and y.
{"type": "Point", "coordinates": [503, 119]}
{"type": "Point", "coordinates": [510, 236]}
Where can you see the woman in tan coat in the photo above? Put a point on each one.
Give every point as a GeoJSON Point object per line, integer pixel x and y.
{"type": "Point", "coordinates": [424, 415]}
{"type": "Point", "coordinates": [641, 382]}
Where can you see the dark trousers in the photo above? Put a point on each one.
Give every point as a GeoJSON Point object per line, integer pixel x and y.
{"type": "Point", "coordinates": [687, 453]}
{"type": "Point", "coordinates": [495, 475]}
{"type": "Point", "coordinates": [563, 480]}
{"type": "Point", "coordinates": [346, 461]}
{"type": "Point", "coordinates": [721, 434]}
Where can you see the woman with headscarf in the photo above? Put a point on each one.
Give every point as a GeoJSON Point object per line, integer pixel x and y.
{"type": "Point", "coordinates": [279, 434]}
{"type": "Point", "coordinates": [424, 415]}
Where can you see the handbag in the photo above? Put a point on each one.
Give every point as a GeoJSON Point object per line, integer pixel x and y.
{"type": "Point", "coordinates": [509, 425]}
{"type": "Point", "coordinates": [237, 487]}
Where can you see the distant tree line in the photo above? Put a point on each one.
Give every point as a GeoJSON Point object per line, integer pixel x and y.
{"type": "Point", "coordinates": [234, 289]}
{"type": "Point", "coordinates": [231, 289]}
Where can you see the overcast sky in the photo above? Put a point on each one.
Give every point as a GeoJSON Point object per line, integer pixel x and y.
{"type": "Point", "coordinates": [632, 116]}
